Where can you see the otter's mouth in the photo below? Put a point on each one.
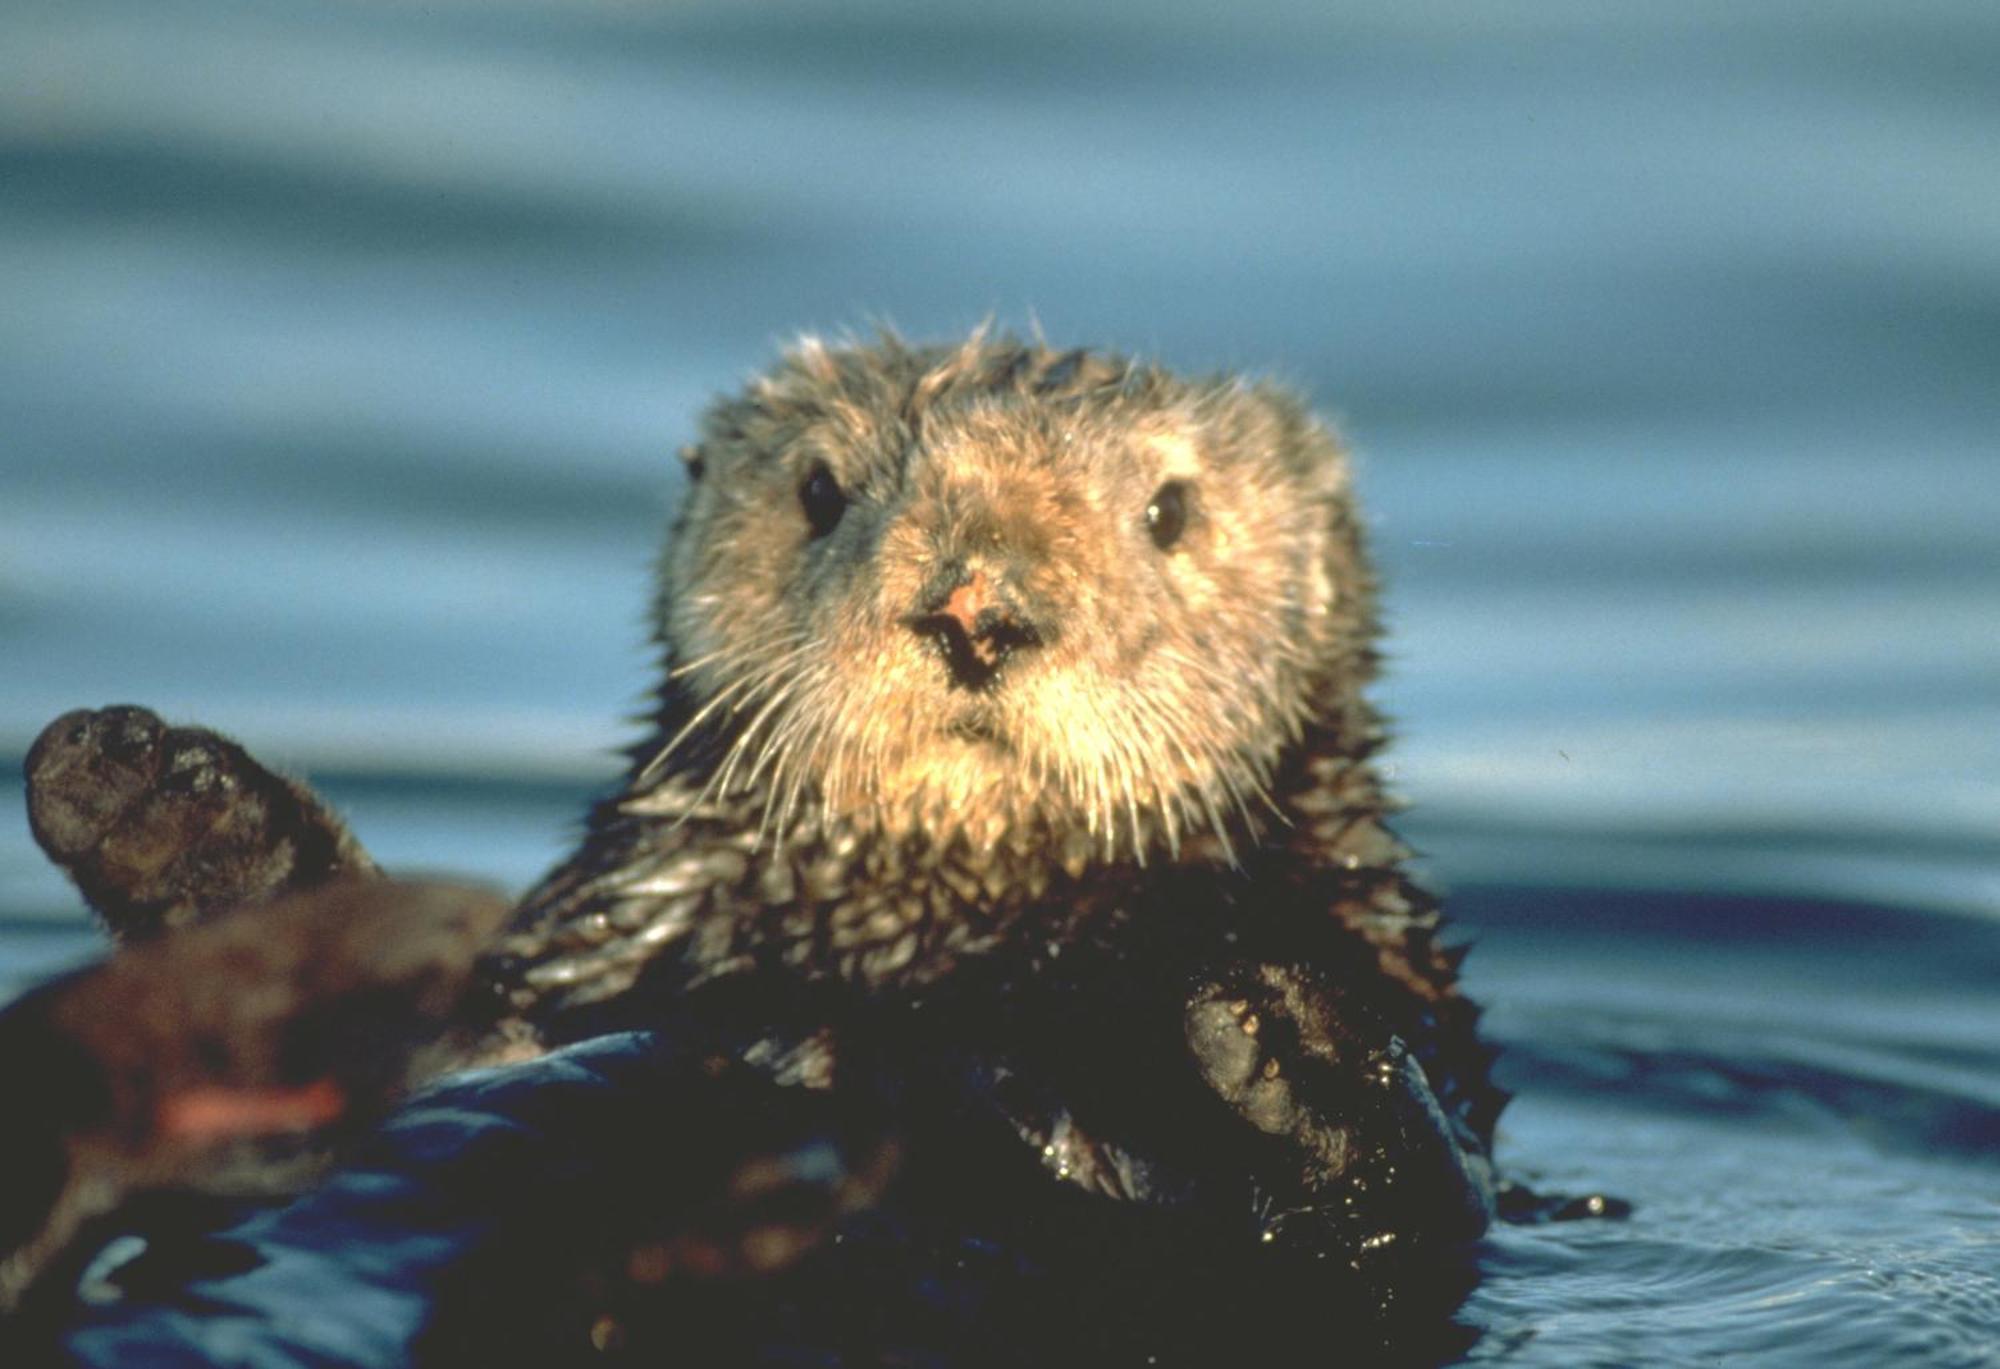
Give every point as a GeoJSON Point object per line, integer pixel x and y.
{"type": "Point", "coordinates": [980, 725]}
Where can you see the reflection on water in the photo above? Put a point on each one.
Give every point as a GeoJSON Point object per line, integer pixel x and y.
{"type": "Point", "coordinates": [345, 348]}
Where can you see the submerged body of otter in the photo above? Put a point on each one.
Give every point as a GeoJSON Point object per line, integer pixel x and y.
{"type": "Point", "coordinates": [1016, 698]}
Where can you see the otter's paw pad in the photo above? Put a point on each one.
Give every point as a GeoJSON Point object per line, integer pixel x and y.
{"type": "Point", "coordinates": [160, 825]}
{"type": "Point", "coordinates": [84, 771]}
{"type": "Point", "coordinates": [1231, 1041]}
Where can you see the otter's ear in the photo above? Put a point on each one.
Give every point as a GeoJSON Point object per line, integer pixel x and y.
{"type": "Point", "coordinates": [691, 457]}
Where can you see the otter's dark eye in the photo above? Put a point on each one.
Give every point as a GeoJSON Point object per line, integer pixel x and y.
{"type": "Point", "coordinates": [823, 499]}
{"type": "Point", "coordinates": [1166, 514]}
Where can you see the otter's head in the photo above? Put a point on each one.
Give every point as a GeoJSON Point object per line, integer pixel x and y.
{"type": "Point", "coordinates": [993, 589]}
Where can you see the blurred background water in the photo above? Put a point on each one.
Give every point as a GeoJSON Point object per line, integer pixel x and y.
{"type": "Point", "coordinates": [344, 347]}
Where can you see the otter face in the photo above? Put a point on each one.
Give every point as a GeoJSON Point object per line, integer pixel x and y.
{"type": "Point", "coordinates": [992, 587]}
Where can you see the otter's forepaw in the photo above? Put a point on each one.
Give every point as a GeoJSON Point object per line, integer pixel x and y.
{"type": "Point", "coordinates": [1276, 1049]}
{"type": "Point", "coordinates": [1232, 1037]}
{"type": "Point", "coordinates": [161, 825]}
{"type": "Point", "coordinates": [1365, 1159]}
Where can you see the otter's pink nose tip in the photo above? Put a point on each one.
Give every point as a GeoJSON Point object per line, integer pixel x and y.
{"type": "Point", "coordinates": [968, 601]}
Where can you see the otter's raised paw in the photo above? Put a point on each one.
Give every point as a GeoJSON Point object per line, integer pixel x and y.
{"type": "Point", "coordinates": [161, 825]}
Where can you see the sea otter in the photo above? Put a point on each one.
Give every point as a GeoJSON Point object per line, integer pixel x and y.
{"type": "Point", "coordinates": [1011, 770]}
{"type": "Point", "coordinates": [1045, 672]}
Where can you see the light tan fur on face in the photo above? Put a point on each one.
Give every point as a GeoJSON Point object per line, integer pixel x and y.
{"type": "Point", "coordinates": [1166, 682]}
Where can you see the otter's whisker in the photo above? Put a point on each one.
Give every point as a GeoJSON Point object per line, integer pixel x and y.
{"type": "Point", "coordinates": [799, 739]}
{"type": "Point", "coordinates": [747, 738]}
{"type": "Point", "coordinates": [1159, 725]}
{"type": "Point", "coordinates": [685, 668]}
{"type": "Point", "coordinates": [795, 787]}
{"type": "Point", "coordinates": [1127, 780]}
{"type": "Point", "coordinates": [748, 684]}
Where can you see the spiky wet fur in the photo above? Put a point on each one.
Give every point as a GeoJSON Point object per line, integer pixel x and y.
{"type": "Point", "coordinates": [1193, 738]}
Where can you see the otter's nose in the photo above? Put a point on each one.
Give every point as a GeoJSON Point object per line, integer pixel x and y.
{"type": "Point", "coordinates": [975, 625]}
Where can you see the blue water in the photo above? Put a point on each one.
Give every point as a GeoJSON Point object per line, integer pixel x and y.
{"type": "Point", "coordinates": [343, 349]}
